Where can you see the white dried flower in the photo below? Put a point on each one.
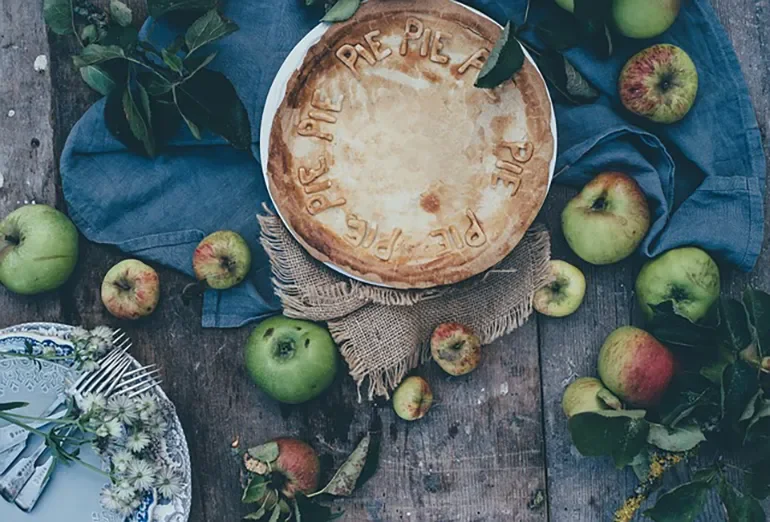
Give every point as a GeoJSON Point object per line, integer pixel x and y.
{"type": "Point", "coordinates": [121, 459]}
{"type": "Point", "coordinates": [137, 441]}
{"type": "Point", "coordinates": [156, 426]}
{"type": "Point", "coordinates": [123, 409]}
{"type": "Point", "coordinates": [49, 351]}
{"type": "Point", "coordinates": [91, 403]}
{"type": "Point", "coordinates": [124, 491]}
{"type": "Point", "coordinates": [78, 334]}
{"type": "Point", "coordinates": [109, 428]}
{"type": "Point", "coordinates": [168, 483]}
{"type": "Point", "coordinates": [103, 334]}
{"type": "Point", "coordinates": [89, 366]}
{"type": "Point", "coordinates": [110, 500]}
{"type": "Point", "coordinates": [141, 474]}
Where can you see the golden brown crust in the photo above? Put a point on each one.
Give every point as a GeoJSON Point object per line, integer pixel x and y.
{"type": "Point", "coordinates": [386, 162]}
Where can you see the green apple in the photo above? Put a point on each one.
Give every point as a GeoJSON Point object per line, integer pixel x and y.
{"type": "Point", "coordinates": [659, 83]}
{"type": "Point", "coordinates": [291, 360]}
{"type": "Point", "coordinates": [455, 348]}
{"type": "Point", "coordinates": [569, 5]}
{"type": "Point", "coordinates": [644, 18]}
{"type": "Point", "coordinates": [131, 290]}
{"type": "Point", "coordinates": [565, 294]}
{"type": "Point", "coordinates": [38, 249]}
{"type": "Point", "coordinates": [587, 394]}
{"type": "Point", "coordinates": [222, 259]}
{"type": "Point", "coordinates": [687, 276]}
{"type": "Point", "coordinates": [413, 398]}
{"type": "Point", "coordinates": [607, 220]}
{"type": "Point", "coordinates": [635, 366]}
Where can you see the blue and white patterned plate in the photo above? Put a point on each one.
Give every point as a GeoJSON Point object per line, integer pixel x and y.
{"type": "Point", "coordinates": [73, 494]}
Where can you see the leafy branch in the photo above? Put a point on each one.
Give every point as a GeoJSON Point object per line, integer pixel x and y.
{"type": "Point", "coordinates": [151, 90]}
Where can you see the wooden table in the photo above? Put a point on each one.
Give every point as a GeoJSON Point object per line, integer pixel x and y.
{"type": "Point", "coordinates": [495, 447]}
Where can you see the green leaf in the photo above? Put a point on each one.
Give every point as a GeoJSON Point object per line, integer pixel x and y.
{"type": "Point", "coordinates": [95, 53]}
{"type": "Point", "coordinates": [196, 63]}
{"type": "Point", "coordinates": [256, 515]}
{"type": "Point", "coordinates": [740, 383]}
{"type": "Point", "coordinates": [176, 45]}
{"type": "Point", "coordinates": [89, 34]}
{"type": "Point", "coordinates": [713, 372]}
{"type": "Point", "coordinates": [563, 77]}
{"type": "Point", "coordinates": [173, 61]}
{"type": "Point", "coordinates": [671, 328]}
{"type": "Point", "coordinates": [139, 117]}
{"type": "Point", "coordinates": [124, 37]}
{"type": "Point", "coordinates": [734, 324]}
{"type": "Point", "coordinates": [7, 406]}
{"type": "Point", "coordinates": [155, 85]}
{"type": "Point", "coordinates": [164, 116]}
{"type": "Point", "coordinates": [757, 480]}
{"type": "Point", "coordinates": [98, 79]}
{"type": "Point", "coordinates": [505, 60]}
{"type": "Point", "coordinates": [675, 439]}
{"type": "Point", "coordinates": [762, 411]}
{"type": "Point", "coordinates": [740, 507]}
{"type": "Point", "coordinates": [641, 465]}
{"type": "Point", "coordinates": [688, 395]}
{"type": "Point", "coordinates": [344, 481]}
{"type": "Point", "coordinates": [758, 308]}
{"type": "Point", "coordinates": [620, 434]}
{"type": "Point", "coordinates": [276, 513]}
{"type": "Point", "coordinates": [752, 406]}
{"type": "Point", "coordinates": [159, 8]}
{"type": "Point", "coordinates": [120, 13]}
{"type": "Point", "coordinates": [255, 490]}
{"type": "Point", "coordinates": [681, 504]}
{"type": "Point", "coordinates": [223, 114]}
{"type": "Point", "coordinates": [342, 10]}
{"type": "Point", "coordinates": [58, 15]}
{"type": "Point", "coordinates": [267, 452]}
{"type": "Point", "coordinates": [206, 29]}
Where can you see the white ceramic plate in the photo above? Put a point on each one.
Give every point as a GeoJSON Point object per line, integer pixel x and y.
{"type": "Point", "coordinates": [278, 90]}
{"type": "Point", "coordinates": [73, 493]}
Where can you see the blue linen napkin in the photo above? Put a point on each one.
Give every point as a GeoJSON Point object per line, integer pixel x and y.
{"type": "Point", "coordinates": [704, 176]}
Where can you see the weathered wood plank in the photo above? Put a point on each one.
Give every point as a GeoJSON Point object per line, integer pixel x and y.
{"type": "Point", "coordinates": [26, 143]}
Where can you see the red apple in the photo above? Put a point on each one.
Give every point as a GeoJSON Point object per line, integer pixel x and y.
{"type": "Point", "coordinates": [635, 366]}
{"type": "Point", "coordinates": [131, 290]}
{"type": "Point", "coordinates": [455, 348]}
{"type": "Point", "coordinates": [659, 83]}
{"type": "Point", "coordinates": [222, 259]}
{"type": "Point", "coordinates": [298, 466]}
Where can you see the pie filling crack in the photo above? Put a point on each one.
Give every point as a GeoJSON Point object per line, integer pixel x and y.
{"type": "Point", "coordinates": [388, 164]}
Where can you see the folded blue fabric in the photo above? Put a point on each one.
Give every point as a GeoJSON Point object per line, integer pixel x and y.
{"type": "Point", "coordinates": [704, 176]}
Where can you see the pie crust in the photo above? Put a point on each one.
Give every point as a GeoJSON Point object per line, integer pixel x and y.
{"type": "Point", "coordinates": [388, 164]}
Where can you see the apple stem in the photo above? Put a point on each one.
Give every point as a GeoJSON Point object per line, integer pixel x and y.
{"type": "Point", "coordinates": [123, 285]}
{"type": "Point", "coordinates": [600, 203]}
{"type": "Point", "coordinates": [7, 242]}
{"type": "Point", "coordinates": [228, 264]}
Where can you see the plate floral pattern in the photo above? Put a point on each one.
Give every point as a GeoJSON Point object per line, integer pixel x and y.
{"type": "Point", "coordinates": [174, 450]}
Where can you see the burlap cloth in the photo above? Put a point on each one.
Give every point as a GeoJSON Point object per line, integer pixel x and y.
{"type": "Point", "coordinates": [383, 333]}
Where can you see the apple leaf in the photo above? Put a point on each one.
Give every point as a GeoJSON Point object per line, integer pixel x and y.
{"type": "Point", "coordinates": [208, 28]}
{"type": "Point", "coordinates": [139, 116]}
{"type": "Point", "coordinates": [641, 465]}
{"type": "Point", "coordinates": [759, 416]}
{"type": "Point", "coordinates": [740, 507]}
{"type": "Point", "coordinates": [734, 324]}
{"type": "Point", "coordinates": [740, 383]}
{"type": "Point", "coordinates": [223, 114]}
{"type": "Point", "coordinates": [563, 77]}
{"type": "Point", "coordinates": [675, 439]}
{"type": "Point", "coordinates": [254, 490]}
{"type": "Point", "coordinates": [267, 452]}
{"type": "Point", "coordinates": [681, 504]}
{"type": "Point", "coordinates": [7, 406]}
{"type": "Point", "coordinates": [59, 16]}
{"type": "Point", "coordinates": [620, 434]}
{"type": "Point", "coordinates": [98, 79]}
{"type": "Point", "coordinates": [342, 10]}
{"type": "Point", "coordinates": [344, 481]}
{"type": "Point", "coordinates": [505, 60]}
{"type": "Point", "coordinates": [671, 328]}
{"type": "Point", "coordinates": [276, 513]}
{"type": "Point", "coordinates": [689, 395]}
{"type": "Point", "coordinates": [752, 407]}
{"type": "Point", "coordinates": [96, 53]}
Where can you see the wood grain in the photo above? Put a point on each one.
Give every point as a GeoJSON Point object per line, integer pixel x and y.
{"type": "Point", "coordinates": [26, 134]}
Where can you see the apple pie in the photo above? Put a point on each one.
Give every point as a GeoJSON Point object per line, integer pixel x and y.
{"type": "Point", "coordinates": [386, 162]}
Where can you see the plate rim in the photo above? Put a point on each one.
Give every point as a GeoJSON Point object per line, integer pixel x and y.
{"type": "Point", "coordinates": [277, 93]}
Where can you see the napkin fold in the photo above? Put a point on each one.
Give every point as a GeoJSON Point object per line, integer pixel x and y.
{"type": "Point", "coordinates": [704, 176]}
